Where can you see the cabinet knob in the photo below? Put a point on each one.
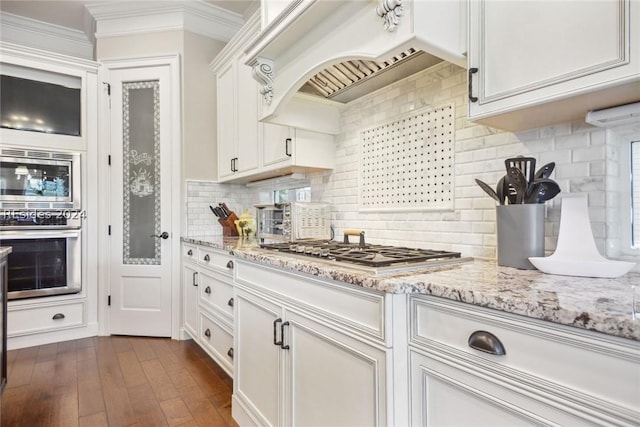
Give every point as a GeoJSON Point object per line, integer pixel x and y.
{"type": "Point", "coordinates": [207, 333]}
{"type": "Point", "coordinates": [486, 342]}
{"type": "Point", "coordinates": [207, 258]}
{"type": "Point", "coordinates": [230, 302]}
{"type": "Point", "coordinates": [230, 264]}
{"type": "Point", "coordinates": [207, 289]}
{"type": "Point", "coordinates": [58, 316]}
{"type": "Point", "coordinates": [230, 352]}
{"type": "Point", "coordinates": [190, 253]}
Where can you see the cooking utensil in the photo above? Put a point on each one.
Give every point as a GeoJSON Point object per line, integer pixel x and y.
{"type": "Point", "coordinates": [501, 190]}
{"type": "Point", "coordinates": [215, 212]}
{"type": "Point", "coordinates": [542, 190]}
{"type": "Point", "coordinates": [487, 189]}
{"type": "Point", "coordinates": [544, 172]}
{"type": "Point", "coordinates": [527, 166]}
{"type": "Point", "coordinates": [518, 182]}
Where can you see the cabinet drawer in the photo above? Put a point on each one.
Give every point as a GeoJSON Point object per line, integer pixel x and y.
{"type": "Point", "coordinates": [220, 260]}
{"type": "Point", "coordinates": [189, 252]}
{"type": "Point", "coordinates": [555, 356]}
{"type": "Point", "coordinates": [343, 306]}
{"type": "Point", "coordinates": [31, 319]}
{"type": "Point", "coordinates": [217, 292]}
{"type": "Point", "coordinates": [217, 341]}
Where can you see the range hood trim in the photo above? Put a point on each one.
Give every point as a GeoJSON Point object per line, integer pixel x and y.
{"type": "Point", "coordinates": [366, 35]}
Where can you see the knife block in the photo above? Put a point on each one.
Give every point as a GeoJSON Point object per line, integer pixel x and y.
{"type": "Point", "coordinates": [228, 225]}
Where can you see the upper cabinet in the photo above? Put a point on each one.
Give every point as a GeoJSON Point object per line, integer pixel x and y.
{"type": "Point", "coordinates": [48, 100]}
{"type": "Point", "coordinates": [310, 35]}
{"type": "Point", "coordinates": [237, 111]}
{"type": "Point", "coordinates": [249, 150]}
{"type": "Point", "coordinates": [535, 63]}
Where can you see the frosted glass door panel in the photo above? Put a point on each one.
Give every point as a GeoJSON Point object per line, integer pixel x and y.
{"type": "Point", "coordinates": [141, 172]}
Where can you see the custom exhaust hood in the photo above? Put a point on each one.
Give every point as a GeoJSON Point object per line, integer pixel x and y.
{"type": "Point", "coordinates": [349, 80]}
{"type": "Point", "coordinates": [339, 51]}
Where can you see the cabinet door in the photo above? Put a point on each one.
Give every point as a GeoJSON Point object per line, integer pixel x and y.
{"type": "Point", "coordinates": [227, 122]}
{"type": "Point", "coordinates": [276, 144]}
{"type": "Point", "coordinates": [248, 97]}
{"type": "Point", "coordinates": [446, 393]}
{"type": "Point", "coordinates": [531, 52]}
{"type": "Point", "coordinates": [257, 361]}
{"type": "Point", "coordinates": [190, 299]}
{"type": "Point", "coordinates": [331, 378]}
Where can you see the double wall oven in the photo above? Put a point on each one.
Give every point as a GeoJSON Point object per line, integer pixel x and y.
{"type": "Point", "coordinates": [41, 218]}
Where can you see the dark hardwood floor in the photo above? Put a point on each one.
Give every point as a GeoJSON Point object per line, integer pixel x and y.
{"type": "Point", "coordinates": [115, 381]}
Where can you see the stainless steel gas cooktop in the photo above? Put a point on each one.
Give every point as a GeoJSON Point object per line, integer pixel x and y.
{"type": "Point", "coordinates": [375, 259]}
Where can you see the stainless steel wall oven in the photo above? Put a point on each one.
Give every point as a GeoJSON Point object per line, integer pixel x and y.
{"type": "Point", "coordinates": [46, 257]}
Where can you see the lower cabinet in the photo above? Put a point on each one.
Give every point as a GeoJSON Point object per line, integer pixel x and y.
{"type": "Point", "coordinates": [292, 368]}
{"type": "Point", "coordinates": [42, 317]}
{"type": "Point", "coordinates": [207, 292]}
{"type": "Point", "coordinates": [217, 340]}
{"type": "Point", "coordinates": [190, 298]}
{"type": "Point", "coordinates": [504, 369]}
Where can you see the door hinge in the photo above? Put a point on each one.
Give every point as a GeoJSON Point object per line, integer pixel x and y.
{"type": "Point", "coordinates": [109, 230]}
{"type": "Point", "coordinates": [109, 300]}
{"type": "Point", "coordinates": [109, 159]}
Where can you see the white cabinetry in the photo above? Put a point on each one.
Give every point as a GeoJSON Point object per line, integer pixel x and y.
{"type": "Point", "coordinates": [284, 146]}
{"type": "Point", "coordinates": [208, 301]}
{"type": "Point", "coordinates": [305, 353]}
{"type": "Point", "coordinates": [538, 63]}
{"type": "Point", "coordinates": [190, 289]}
{"type": "Point", "coordinates": [247, 148]}
{"type": "Point", "coordinates": [548, 374]}
{"type": "Point", "coordinates": [44, 317]}
{"type": "Point", "coordinates": [237, 109]}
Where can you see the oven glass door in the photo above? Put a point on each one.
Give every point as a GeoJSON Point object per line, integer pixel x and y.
{"type": "Point", "coordinates": [43, 263]}
{"type": "Point", "coordinates": [24, 179]}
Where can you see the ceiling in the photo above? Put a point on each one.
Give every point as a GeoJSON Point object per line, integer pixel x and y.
{"type": "Point", "coordinates": [71, 14]}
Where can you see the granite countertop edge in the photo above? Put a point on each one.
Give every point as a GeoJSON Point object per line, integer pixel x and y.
{"type": "Point", "coordinates": [601, 305]}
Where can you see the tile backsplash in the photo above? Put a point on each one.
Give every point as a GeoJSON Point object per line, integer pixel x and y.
{"type": "Point", "coordinates": [200, 194]}
{"type": "Point", "coordinates": [577, 148]}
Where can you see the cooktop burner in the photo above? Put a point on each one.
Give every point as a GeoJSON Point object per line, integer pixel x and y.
{"type": "Point", "coordinates": [374, 256]}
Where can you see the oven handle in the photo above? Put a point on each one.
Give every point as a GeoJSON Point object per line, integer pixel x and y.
{"type": "Point", "coordinates": [40, 234]}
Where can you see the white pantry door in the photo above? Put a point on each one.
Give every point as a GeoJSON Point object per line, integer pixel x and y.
{"type": "Point", "coordinates": [140, 277]}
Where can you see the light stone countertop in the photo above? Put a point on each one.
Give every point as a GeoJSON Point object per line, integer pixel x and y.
{"type": "Point", "coordinates": [602, 305]}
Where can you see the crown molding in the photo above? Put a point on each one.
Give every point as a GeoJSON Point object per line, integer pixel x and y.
{"type": "Point", "coordinates": [29, 32]}
{"type": "Point", "coordinates": [117, 18]}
